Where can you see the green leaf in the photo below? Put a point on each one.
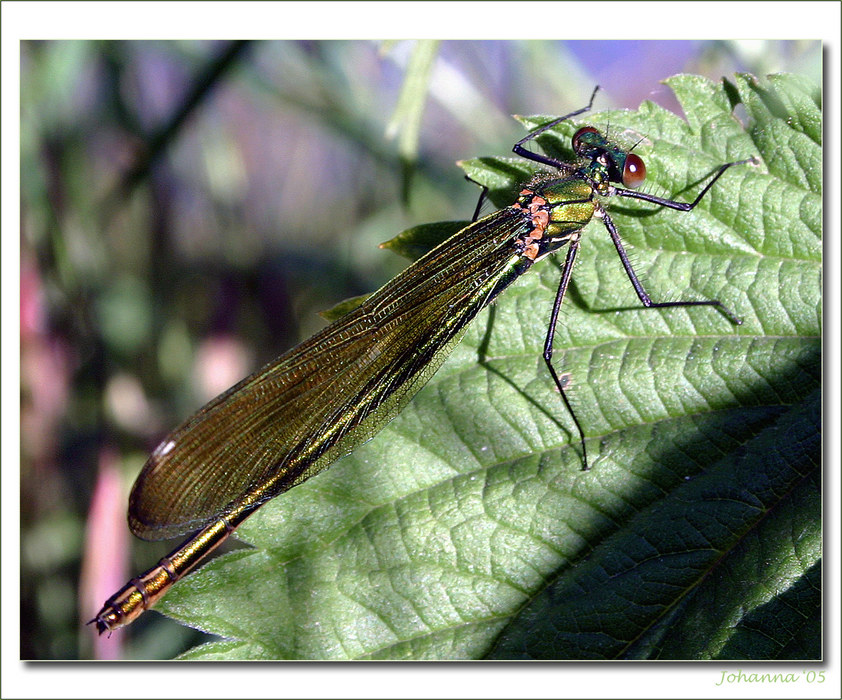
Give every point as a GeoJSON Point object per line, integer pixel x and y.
{"type": "Point", "coordinates": [419, 240]}
{"type": "Point", "coordinates": [467, 528]}
{"type": "Point", "coordinates": [345, 306]}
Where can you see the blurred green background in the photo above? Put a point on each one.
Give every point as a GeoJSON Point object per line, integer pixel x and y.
{"type": "Point", "coordinates": [186, 210]}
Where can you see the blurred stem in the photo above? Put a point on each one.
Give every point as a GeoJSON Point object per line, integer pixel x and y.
{"type": "Point", "coordinates": [160, 140]}
{"type": "Point", "coordinates": [406, 120]}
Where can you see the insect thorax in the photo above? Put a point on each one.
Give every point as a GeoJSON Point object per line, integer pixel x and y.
{"type": "Point", "coordinates": [556, 209]}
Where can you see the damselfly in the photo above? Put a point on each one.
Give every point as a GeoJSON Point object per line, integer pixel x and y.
{"type": "Point", "coordinates": [323, 398]}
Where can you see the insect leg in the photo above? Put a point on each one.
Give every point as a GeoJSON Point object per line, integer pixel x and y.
{"type": "Point", "coordinates": [681, 206]}
{"type": "Point", "coordinates": [560, 383]}
{"type": "Point", "coordinates": [482, 196]}
{"type": "Point", "coordinates": [539, 158]}
{"type": "Point", "coordinates": [645, 299]}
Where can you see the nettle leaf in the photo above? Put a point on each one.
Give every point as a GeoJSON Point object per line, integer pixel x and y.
{"type": "Point", "coordinates": [467, 529]}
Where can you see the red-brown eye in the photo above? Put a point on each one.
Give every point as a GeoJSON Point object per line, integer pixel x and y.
{"type": "Point", "coordinates": [577, 137]}
{"type": "Point", "coordinates": [634, 171]}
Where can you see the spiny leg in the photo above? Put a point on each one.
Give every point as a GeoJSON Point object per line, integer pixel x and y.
{"type": "Point", "coordinates": [645, 299]}
{"type": "Point", "coordinates": [531, 155]}
{"type": "Point", "coordinates": [561, 382]}
{"type": "Point", "coordinates": [482, 195]}
{"type": "Point", "coordinates": [546, 160]}
{"type": "Point", "coordinates": [681, 206]}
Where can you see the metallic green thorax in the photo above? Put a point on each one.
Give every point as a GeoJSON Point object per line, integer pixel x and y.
{"type": "Point", "coordinates": [559, 209]}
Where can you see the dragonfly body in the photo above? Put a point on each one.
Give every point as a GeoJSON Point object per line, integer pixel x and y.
{"type": "Point", "coordinates": [348, 380]}
{"type": "Point", "coordinates": [369, 363]}
{"type": "Point", "coordinates": [322, 399]}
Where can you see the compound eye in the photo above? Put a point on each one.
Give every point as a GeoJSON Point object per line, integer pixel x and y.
{"type": "Point", "coordinates": [578, 144]}
{"type": "Point", "coordinates": [634, 171]}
